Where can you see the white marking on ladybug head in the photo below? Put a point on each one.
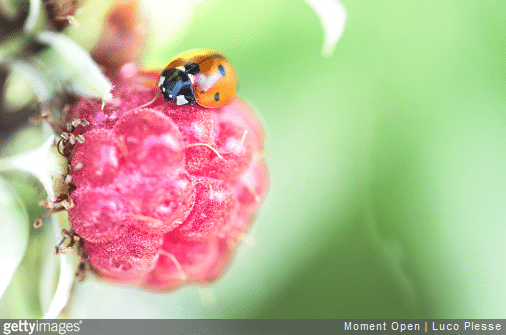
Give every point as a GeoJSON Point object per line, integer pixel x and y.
{"type": "Point", "coordinates": [163, 89]}
{"type": "Point", "coordinates": [192, 77]}
{"type": "Point", "coordinates": [161, 80]}
{"type": "Point", "coordinates": [181, 100]}
{"type": "Point", "coordinates": [181, 68]}
{"type": "Point", "coordinates": [170, 96]}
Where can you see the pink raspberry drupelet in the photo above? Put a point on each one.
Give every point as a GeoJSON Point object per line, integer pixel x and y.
{"type": "Point", "coordinates": [165, 192]}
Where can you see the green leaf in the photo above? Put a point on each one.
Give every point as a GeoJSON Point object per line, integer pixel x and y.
{"type": "Point", "coordinates": [74, 67]}
{"type": "Point", "coordinates": [13, 233]}
{"type": "Point", "coordinates": [332, 15]}
{"type": "Point", "coordinates": [40, 81]}
{"type": "Point", "coordinates": [44, 163]}
{"type": "Point", "coordinates": [33, 16]}
{"type": "Point", "coordinates": [66, 276]}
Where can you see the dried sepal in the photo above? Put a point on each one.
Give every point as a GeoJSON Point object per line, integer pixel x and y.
{"type": "Point", "coordinates": [61, 12]}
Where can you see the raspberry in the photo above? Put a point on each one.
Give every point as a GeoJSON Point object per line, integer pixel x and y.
{"type": "Point", "coordinates": [151, 141]}
{"type": "Point", "coordinates": [164, 193]}
{"type": "Point", "coordinates": [103, 169]}
{"type": "Point", "coordinates": [99, 215]}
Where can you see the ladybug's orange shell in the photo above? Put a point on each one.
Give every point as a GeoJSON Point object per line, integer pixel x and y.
{"type": "Point", "coordinates": [188, 56]}
{"type": "Point", "coordinates": [214, 88]}
{"type": "Point", "coordinates": [210, 83]}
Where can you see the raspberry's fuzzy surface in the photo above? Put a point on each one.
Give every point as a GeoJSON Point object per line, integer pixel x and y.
{"type": "Point", "coordinates": [165, 192]}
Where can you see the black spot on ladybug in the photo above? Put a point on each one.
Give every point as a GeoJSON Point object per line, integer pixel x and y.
{"type": "Point", "coordinates": [222, 71]}
{"type": "Point", "coordinates": [217, 96]}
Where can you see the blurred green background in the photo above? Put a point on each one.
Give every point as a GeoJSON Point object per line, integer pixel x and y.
{"type": "Point", "coordinates": [387, 164]}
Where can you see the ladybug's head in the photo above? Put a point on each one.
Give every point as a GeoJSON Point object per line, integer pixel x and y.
{"type": "Point", "coordinates": [176, 86]}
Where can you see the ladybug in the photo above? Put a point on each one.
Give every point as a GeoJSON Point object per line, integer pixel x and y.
{"type": "Point", "coordinates": [204, 78]}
